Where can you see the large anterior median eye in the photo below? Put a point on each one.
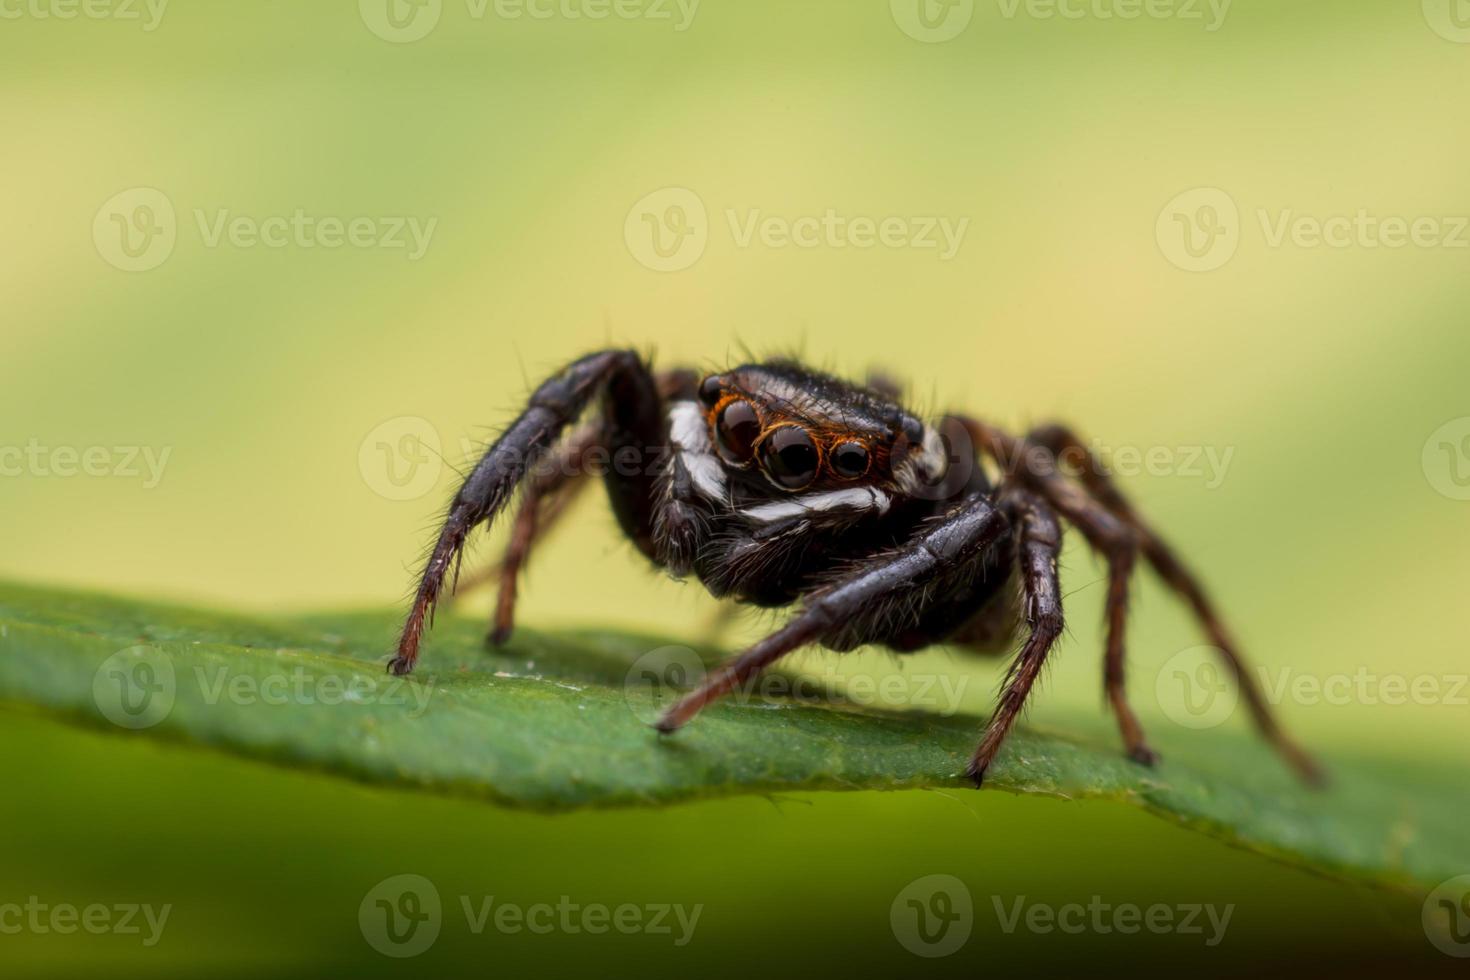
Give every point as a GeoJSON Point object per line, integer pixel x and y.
{"type": "Point", "coordinates": [790, 457]}
{"type": "Point", "coordinates": [736, 429]}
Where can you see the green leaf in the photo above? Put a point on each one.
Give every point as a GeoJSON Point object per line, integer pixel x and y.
{"type": "Point", "coordinates": [553, 722]}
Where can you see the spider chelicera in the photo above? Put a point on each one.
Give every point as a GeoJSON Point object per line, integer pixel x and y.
{"type": "Point", "coordinates": [776, 484]}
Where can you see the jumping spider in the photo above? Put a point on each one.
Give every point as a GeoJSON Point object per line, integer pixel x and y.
{"type": "Point", "coordinates": [775, 484]}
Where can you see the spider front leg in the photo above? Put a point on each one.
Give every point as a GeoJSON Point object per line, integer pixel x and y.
{"type": "Point", "coordinates": [855, 609]}
{"type": "Point", "coordinates": [632, 419]}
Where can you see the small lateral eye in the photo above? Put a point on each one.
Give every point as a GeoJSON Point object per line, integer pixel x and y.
{"type": "Point", "coordinates": [790, 457]}
{"type": "Point", "coordinates": [736, 430]}
{"type": "Point", "coordinates": [709, 390]}
{"type": "Point", "coordinates": [850, 460]}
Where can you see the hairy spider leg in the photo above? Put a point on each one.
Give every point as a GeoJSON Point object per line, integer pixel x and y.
{"type": "Point", "coordinates": [842, 615]}
{"type": "Point", "coordinates": [546, 499]}
{"type": "Point", "coordinates": [1065, 446]}
{"type": "Point", "coordinates": [554, 405]}
{"type": "Point", "coordinates": [1038, 546]}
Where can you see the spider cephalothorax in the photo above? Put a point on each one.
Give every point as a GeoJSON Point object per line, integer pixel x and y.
{"type": "Point", "coordinates": [775, 484]}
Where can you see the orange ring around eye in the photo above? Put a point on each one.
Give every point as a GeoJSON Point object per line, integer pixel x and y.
{"type": "Point", "coordinates": [783, 465]}
{"type": "Point", "coordinates": [737, 451]}
{"type": "Point", "coordinates": [833, 454]}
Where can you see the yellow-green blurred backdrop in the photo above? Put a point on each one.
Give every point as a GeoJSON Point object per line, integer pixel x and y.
{"type": "Point", "coordinates": [1073, 146]}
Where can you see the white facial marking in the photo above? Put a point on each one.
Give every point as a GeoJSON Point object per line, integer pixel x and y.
{"type": "Point", "coordinates": [935, 463]}
{"type": "Point", "coordinates": [854, 498]}
{"type": "Point", "coordinates": [927, 466]}
{"type": "Point", "coordinates": [690, 437]}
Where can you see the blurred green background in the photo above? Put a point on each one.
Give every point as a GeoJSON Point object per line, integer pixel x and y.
{"type": "Point", "coordinates": [287, 384]}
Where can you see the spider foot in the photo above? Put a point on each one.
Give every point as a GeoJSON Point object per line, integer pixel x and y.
{"type": "Point", "coordinates": [498, 637]}
{"type": "Point", "coordinates": [1144, 756]}
{"type": "Point", "coordinates": [400, 666]}
{"type": "Point", "coordinates": [976, 773]}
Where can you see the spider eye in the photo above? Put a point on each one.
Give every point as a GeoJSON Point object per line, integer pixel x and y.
{"type": "Point", "coordinates": [850, 460]}
{"type": "Point", "coordinates": [709, 390]}
{"type": "Point", "coordinates": [790, 457]}
{"type": "Point", "coordinates": [736, 430]}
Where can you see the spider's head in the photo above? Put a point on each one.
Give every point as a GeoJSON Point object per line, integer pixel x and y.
{"type": "Point", "coordinates": [794, 429]}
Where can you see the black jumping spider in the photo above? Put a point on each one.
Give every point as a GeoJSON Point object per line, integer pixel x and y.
{"type": "Point", "coordinates": [775, 484]}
